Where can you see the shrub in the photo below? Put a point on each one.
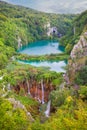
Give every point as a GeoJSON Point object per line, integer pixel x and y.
{"type": "Point", "coordinates": [81, 77]}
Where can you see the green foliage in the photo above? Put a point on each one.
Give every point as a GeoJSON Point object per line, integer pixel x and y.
{"type": "Point", "coordinates": [68, 48]}
{"type": "Point", "coordinates": [12, 118]}
{"type": "Point", "coordinates": [5, 54]}
{"type": "Point", "coordinates": [83, 92]}
{"type": "Point", "coordinates": [68, 118]}
{"type": "Point", "coordinates": [81, 77]}
{"type": "Point", "coordinates": [71, 113]}
{"type": "Point", "coordinates": [17, 73]}
{"type": "Point", "coordinates": [28, 24]}
{"type": "Point", "coordinates": [62, 22]}
{"type": "Point", "coordinates": [78, 25]}
{"type": "Point", "coordinates": [58, 81]}
{"type": "Point", "coordinates": [58, 98]}
{"type": "Point", "coordinates": [51, 57]}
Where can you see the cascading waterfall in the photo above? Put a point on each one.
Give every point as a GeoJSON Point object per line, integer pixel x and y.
{"type": "Point", "coordinates": [36, 92]}
{"type": "Point", "coordinates": [47, 112]}
{"type": "Point", "coordinates": [19, 43]}
{"type": "Point", "coordinates": [42, 86]}
{"type": "Point", "coordinates": [28, 87]}
{"type": "Point", "coordinates": [38, 95]}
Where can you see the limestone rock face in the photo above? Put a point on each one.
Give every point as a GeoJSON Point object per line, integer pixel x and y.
{"type": "Point", "coordinates": [50, 30]}
{"type": "Point", "coordinates": [80, 49]}
{"type": "Point", "coordinates": [18, 104]}
{"type": "Point", "coordinates": [78, 57]}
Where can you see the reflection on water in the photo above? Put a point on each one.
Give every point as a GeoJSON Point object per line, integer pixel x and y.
{"type": "Point", "coordinates": [54, 66]}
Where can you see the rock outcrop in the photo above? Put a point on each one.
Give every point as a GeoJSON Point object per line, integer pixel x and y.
{"type": "Point", "coordinates": [80, 49]}
{"type": "Point", "coordinates": [17, 104]}
{"type": "Point", "coordinates": [50, 30]}
{"type": "Point", "coordinates": [78, 57]}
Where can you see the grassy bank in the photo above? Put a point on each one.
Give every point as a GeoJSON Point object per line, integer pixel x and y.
{"type": "Point", "coordinates": [51, 57]}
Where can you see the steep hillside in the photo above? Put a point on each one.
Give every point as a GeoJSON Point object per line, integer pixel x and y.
{"type": "Point", "coordinates": [78, 58]}
{"type": "Point", "coordinates": [79, 26]}
{"type": "Point", "coordinates": [20, 25]}
{"type": "Point", "coordinates": [76, 45]}
{"type": "Point", "coordinates": [17, 22]}
{"type": "Point", "coordinates": [6, 53]}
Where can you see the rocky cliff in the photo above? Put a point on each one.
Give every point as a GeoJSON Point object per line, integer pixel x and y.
{"type": "Point", "coordinates": [80, 49]}
{"type": "Point", "coordinates": [78, 57]}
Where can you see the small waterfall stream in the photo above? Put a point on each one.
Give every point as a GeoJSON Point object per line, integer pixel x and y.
{"type": "Point", "coordinates": [36, 92]}
{"type": "Point", "coordinates": [38, 95]}
{"type": "Point", "coordinates": [28, 87]}
{"type": "Point", "coordinates": [47, 112]}
{"type": "Point", "coordinates": [19, 43]}
{"type": "Point", "coordinates": [42, 86]}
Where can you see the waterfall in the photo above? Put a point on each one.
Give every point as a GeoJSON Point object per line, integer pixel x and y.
{"type": "Point", "coordinates": [36, 92]}
{"type": "Point", "coordinates": [19, 42]}
{"type": "Point", "coordinates": [38, 95]}
{"type": "Point", "coordinates": [28, 87]}
{"type": "Point", "coordinates": [42, 86]}
{"type": "Point", "coordinates": [47, 112]}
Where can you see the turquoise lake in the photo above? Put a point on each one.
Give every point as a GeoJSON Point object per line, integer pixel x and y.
{"type": "Point", "coordinates": [53, 66]}
{"type": "Point", "coordinates": [43, 48]}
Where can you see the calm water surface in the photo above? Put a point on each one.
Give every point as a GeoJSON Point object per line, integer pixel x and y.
{"type": "Point", "coordinates": [43, 48]}
{"type": "Point", "coordinates": [53, 66]}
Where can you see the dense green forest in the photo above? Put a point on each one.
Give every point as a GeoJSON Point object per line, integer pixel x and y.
{"type": "Point", "coordinates": [28, 24]}
{"type": "Point", "coordinates": [79, 26]}
{"type": "Point", "coordinates": [18, 110]}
